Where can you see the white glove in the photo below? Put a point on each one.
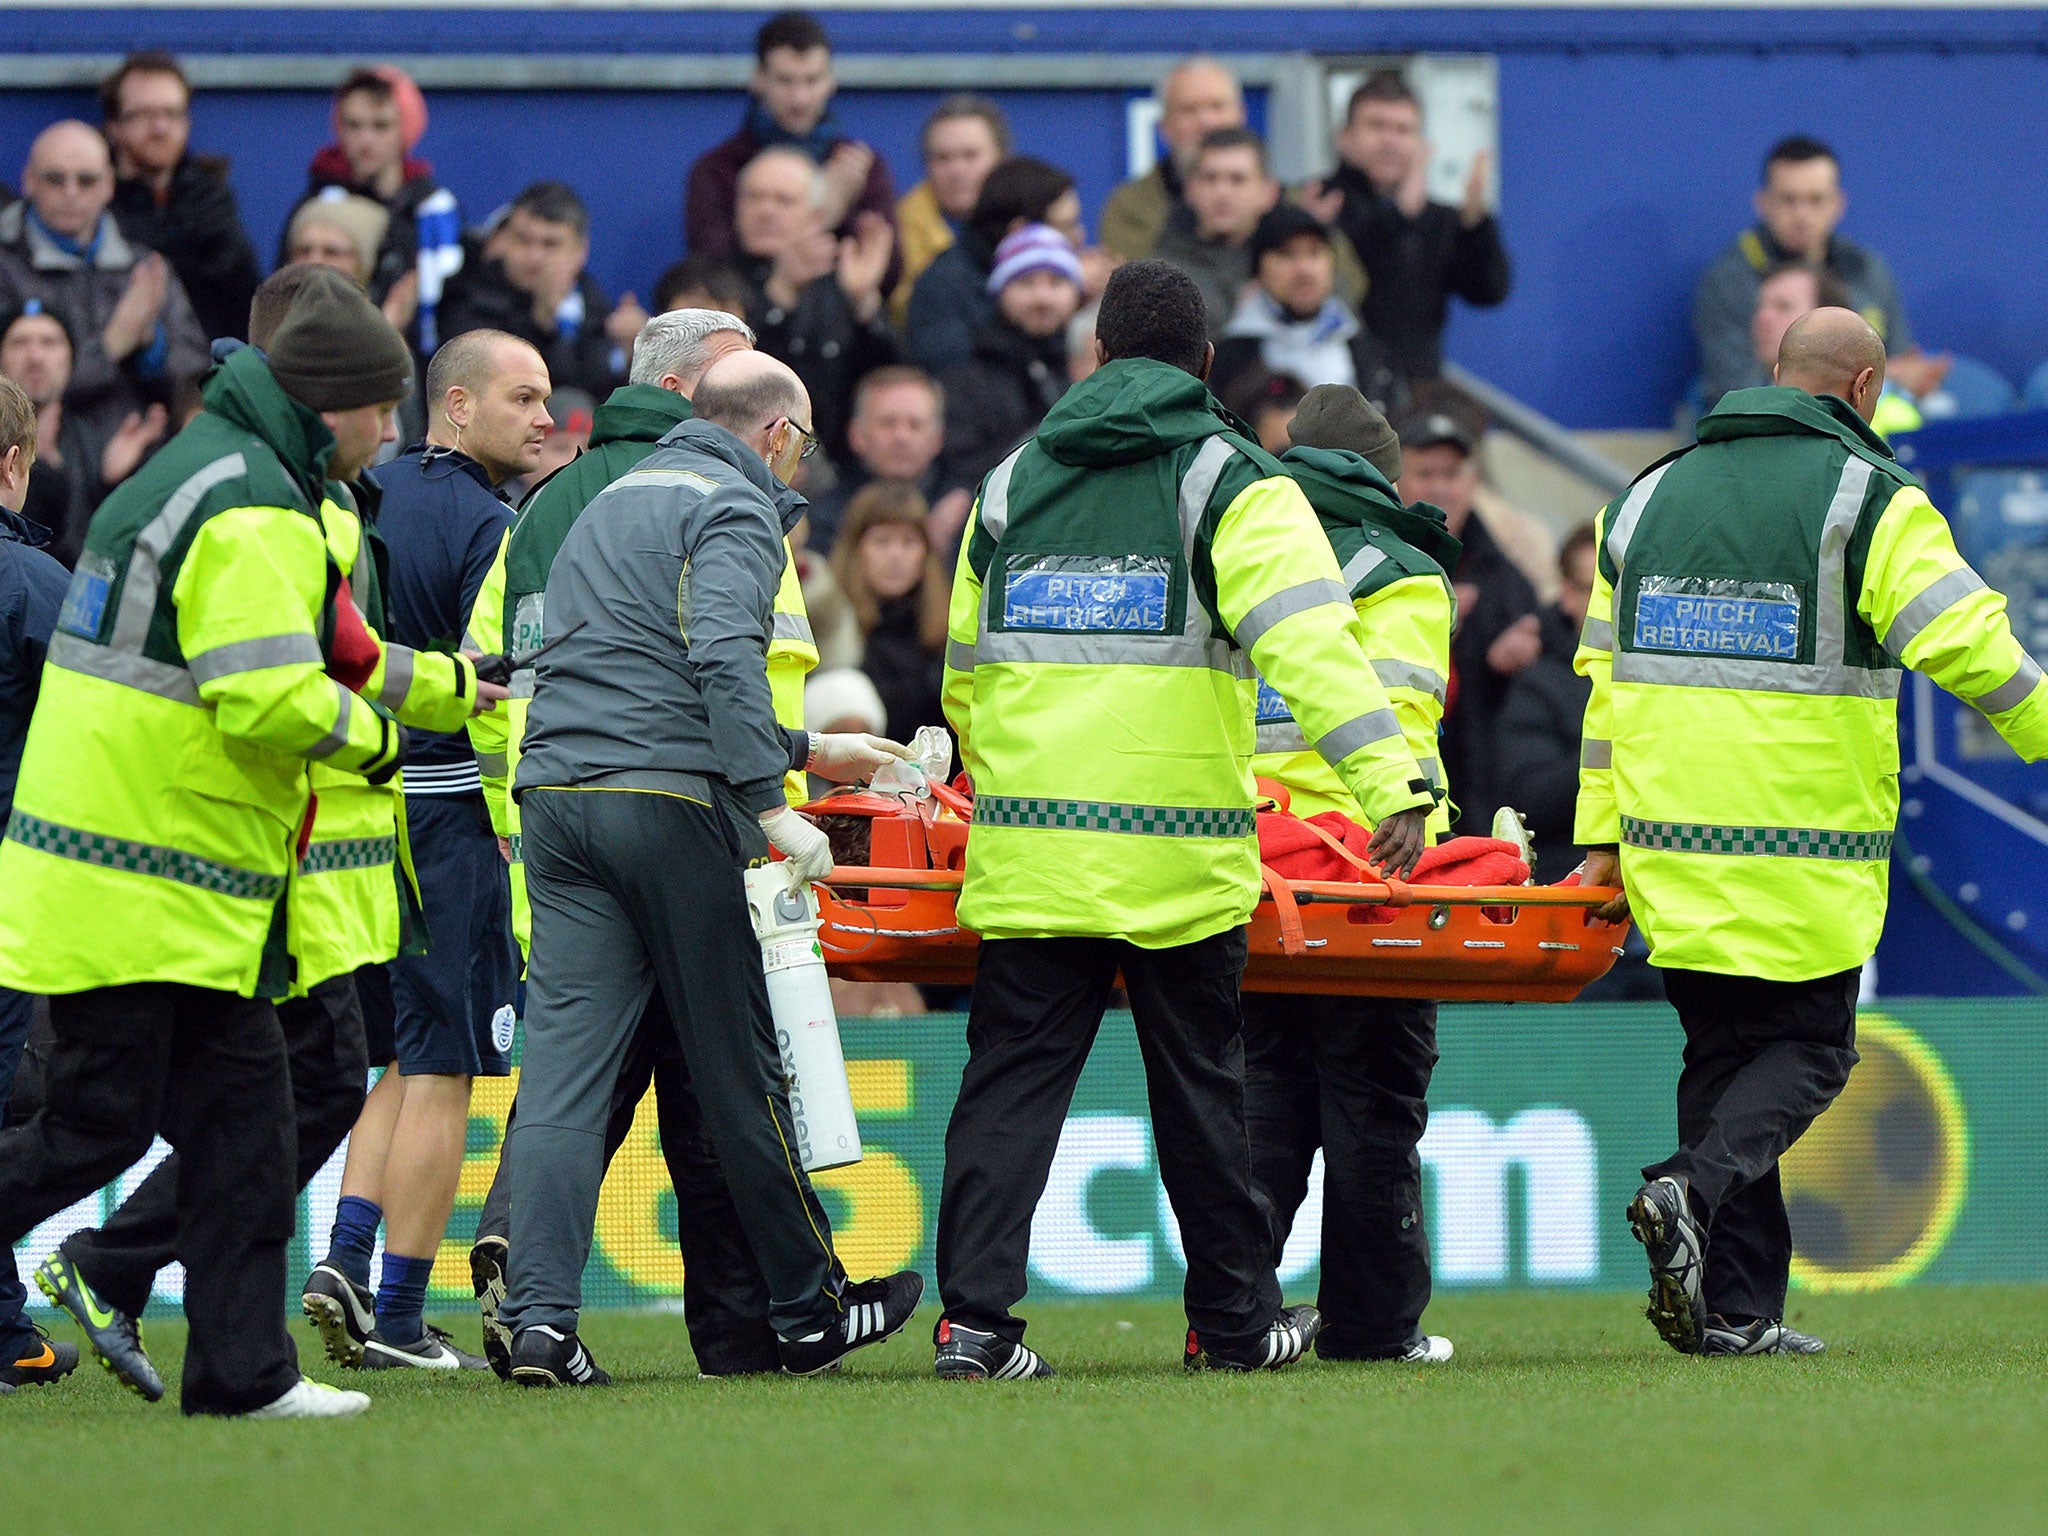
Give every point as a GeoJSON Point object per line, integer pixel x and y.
{"type": "Point", "coordinates": [808, 850]}
{"type": "Point", "coordinates": [849, 756]}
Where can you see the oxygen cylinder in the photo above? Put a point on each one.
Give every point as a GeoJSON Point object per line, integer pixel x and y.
{"type": "Point", "coordinates": [806, 1028]}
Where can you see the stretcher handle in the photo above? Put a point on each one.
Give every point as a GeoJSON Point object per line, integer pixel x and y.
{"type": "Point", "coordinates": [1345, 893]}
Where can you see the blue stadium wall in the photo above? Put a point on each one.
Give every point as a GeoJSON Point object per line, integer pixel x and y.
{"type": "Point", "coordinates": [1629, 142]}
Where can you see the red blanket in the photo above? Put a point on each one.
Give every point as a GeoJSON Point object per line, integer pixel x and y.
{"type": "Point", "coordinates": [1290, 848]}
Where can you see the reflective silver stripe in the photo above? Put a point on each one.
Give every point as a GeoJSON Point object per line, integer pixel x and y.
{"type": "Point", "coordinates": [1375, 725]}
{"type": "Point", "coordinates": [1251, 629]}
{"type": "Point", "coordinates": [1432, 770]}
{"type": "Point", "coordinates": [1829, 675]}
{"type": "Point", "coordinates": [2013, 692]}
{"type": "Point", "coordinates": [398, 670]}
{"type": "Point", "coordinates": [491, 764]}
{"type": "Point", "coordinates": [1199, 484]}
{"type": "Point", "coordinates": [1598, 635]}
{"type": "Point", "coordinates": [254, 656]}
{"type": "Point", "coordinates": [1395, 673]}
{"type": "Point", "coordinates": [1121, 650]}
{"type": "Point", "coordinates": [1362, 565]}
{"type": "Point", "coordinates": [1623, 528]}
{"type": "Point", "coordinates": [1281, 736]}
{"type": "Point", "coordinates": [336, 738]}
{"type": "Point", "coordinates": [1774, 842]}
{"type": "Point", "coordinates": [794, 626]}
{"type": "Point", "coordinates": [960, 654]}
{"type": "Point", "coordinates": [1940, 596]}
{"type": "Point", "coordinates": [995, 496]}
{"type": "Point", "coordinates": [522, 683]}
{"type": "Point", "coordinates": [129, 668]}
{"type": "Point", "coordinates": [145, 563]}
{"type": "Point", "coordinates": [143, 858]}
{"type": "Point", "coordinates": [1594, 753]}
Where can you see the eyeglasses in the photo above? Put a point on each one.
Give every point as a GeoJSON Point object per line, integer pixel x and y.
{"type": "Point", "coordinates": [810, 438]}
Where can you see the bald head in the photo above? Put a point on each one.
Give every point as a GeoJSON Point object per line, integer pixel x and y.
{"type": "Point", "coordinates": [69, 178]}
{"type": "Point", "coordinates": [1834, 351]}
{"type": "Point", "coordinates": [760, 399]}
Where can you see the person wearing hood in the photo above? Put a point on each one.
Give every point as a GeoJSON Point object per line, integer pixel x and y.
{"type": "Point", "coordinates": [789, 106]}
{"type": "Point", "coordinates": [206, 653]}
{"type": "Point", "coordinates": [379, 119]}
{"type": "Point", "coordinates": [1017, 370]}
{"type": "Point", "coordinates": [651, 777]}
{"type": "Point", "coordinates": [1343, 1075]}
{"type": "Point", "coordinates": [1127, 573]}
{"type": "Point", "coordinates": [1757, 599]}
{"type": "Point", "coordinates": [1291, 320]}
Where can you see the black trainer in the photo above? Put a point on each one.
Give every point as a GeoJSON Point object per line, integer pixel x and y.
{"type": "Point", "coordinates": [435, 1351]}
{"type": "Point", "coordinates": [49, 1361]}
{"type": "Point", "coordinates": [344, 1312]}
{"type": "Point", "coordinates": [114, 1336]}
{"type": "Point", "coordinates": [968, 1354]}
{"type": "Point", "coordinates": [547, 1357]}
{"type": "Point", "coordinates": [870, 1312]}
{"type": "Point", "coordinates": [1759, 1336]}
{"type": "Point", "coordinates": [488, 1261]}
{"type": "Point", "coordinates": [1293, 1331]}
{"type": "Point", "coordinates": [1662, 1219]}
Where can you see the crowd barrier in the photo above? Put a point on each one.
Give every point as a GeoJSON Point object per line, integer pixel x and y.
{"type": "Point", "coordinates": [1925, 1170]}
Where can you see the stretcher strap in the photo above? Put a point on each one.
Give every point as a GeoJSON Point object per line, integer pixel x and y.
{"type": "Point", "coordinates": [1292, 939]}
{"type": "Point", "coordinates": [1397, 891]}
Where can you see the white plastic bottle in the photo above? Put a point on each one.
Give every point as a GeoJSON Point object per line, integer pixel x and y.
{"type": "Point", "coordinates": [806, 1028]}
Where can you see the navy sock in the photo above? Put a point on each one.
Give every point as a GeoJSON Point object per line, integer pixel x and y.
{"type": "Point", "coordinates": [402, 1297]}
{"type": "Point", "coordinates": [355, 1237]}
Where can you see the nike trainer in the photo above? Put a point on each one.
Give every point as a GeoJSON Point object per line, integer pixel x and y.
{"type": "Point", "coordinates": [435, 1351]}
{"type": "Point", "coordinates": [45, 1362]}
{"type": "Point", "coordinates": [488, 1262]}
{"type": "Point", "coordinates": [114, 1337]}
{"type": "Point", "coordinates": [345, 1313]}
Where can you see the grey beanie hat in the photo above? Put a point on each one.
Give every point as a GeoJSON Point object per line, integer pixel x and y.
{"type": "Point", "coordinates": [335, 351]}
{"type": "Point", "coordinates": [1338, 416]}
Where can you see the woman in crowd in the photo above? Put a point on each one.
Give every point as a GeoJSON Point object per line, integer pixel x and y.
{"type": "Point", "coordinates": [891, 575]}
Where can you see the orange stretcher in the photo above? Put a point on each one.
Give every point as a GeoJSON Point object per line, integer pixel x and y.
{"type": "Point", "coordinates": [893, 919]}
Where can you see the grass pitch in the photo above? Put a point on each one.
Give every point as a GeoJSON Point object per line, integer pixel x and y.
{"type": "Point", "coordinates": [1561, 1413]}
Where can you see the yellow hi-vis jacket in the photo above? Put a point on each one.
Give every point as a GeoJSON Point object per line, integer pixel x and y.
{"type": "Point", "coordinates": [1757, 597]}
{"type": "Point", "coordinates": [1124, 572]}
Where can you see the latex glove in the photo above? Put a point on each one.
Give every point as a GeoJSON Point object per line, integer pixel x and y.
{"type": "Point", "coordinates": [808, 850]}
{"type": "Point", "coordinates": [849, 756]}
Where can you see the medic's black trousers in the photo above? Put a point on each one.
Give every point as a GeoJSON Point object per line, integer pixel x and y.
{"type": "Point", "coordinates": [1349, 1075]}
{"type": "Point", "coordinates": [1037, 1006]}
{"type": "Point", "coordinates": [323, 1038]}
{"type": "Point", "coordinates": [1762, 1060]}
{"type": "Point", "coordinates": [207, 1070]}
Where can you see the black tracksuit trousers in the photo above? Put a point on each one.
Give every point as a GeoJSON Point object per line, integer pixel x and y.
{"type": "Point", "coordinates": [323, 1039]}
{"type": "Point", "coordinates": [1038, 1004]}
{"type": "Point", "coordinates": [725, 1297]}
{"type": "Point", "coordinates": [208, 1071]}
{"type": "Point", "coordinates": [1762, 1060]}
{"type": "Point", "coordinates": [1349, 1075]}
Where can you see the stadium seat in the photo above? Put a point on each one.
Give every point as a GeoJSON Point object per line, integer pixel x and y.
{"type": "Point", "coordinates": [2035, 395]}
{"type": "Point", "coordinates": [1971, 389]}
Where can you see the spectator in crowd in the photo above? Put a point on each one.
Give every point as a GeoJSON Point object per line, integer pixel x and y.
{"type": "Point", "coordinates": [951, 301]}
{"type": "Point", "coordinates": [1783, 294]}
{"type": "Point", "coordinates": [888, 568]}
{"type": "Point", "coordinates": [1417, 253]}
{"type": "Point", "coordinates": [345, 232]}
{"type": "Point", "coordinates": [896, 432]}
{"type": "Point", "coordinates": [1498, 631]}
{"type": "Point", "coordinates": [964, 139]}
{"type": "Point", "coordinates": [1195, 99]}
{"type": "Point", "coordinates": [175, 202]}
{"type": "Point", "coordinates": [527, 278]}
{"type": "Point", "coordinates": [75, 464]}
{"type": "Point", "coordinates": [790, 108]}
{"type": "Point", "coordinates": [1018, 368]}
{"type": "Point", "coordinates": [1209, 235]}
{"type": "Point", "coordinates": [814, 299]}
{"type": "Point", "coordinates": [1081, 360]}
{"type": "Point", "coordinates": [1543, 713]}
{"type": "Point", "coordinates": [1798, 209]}
{"type": "Point", "coordinates": [1291, 320]}
{"type": "Point", "coordinates": [701, 282]}
{"type": "Point", "coordinates": [133, 332]}
{"type": "Point", "coordinates": [1266, 401]}
{"type": "Point", "coordinates": [379, 119]}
